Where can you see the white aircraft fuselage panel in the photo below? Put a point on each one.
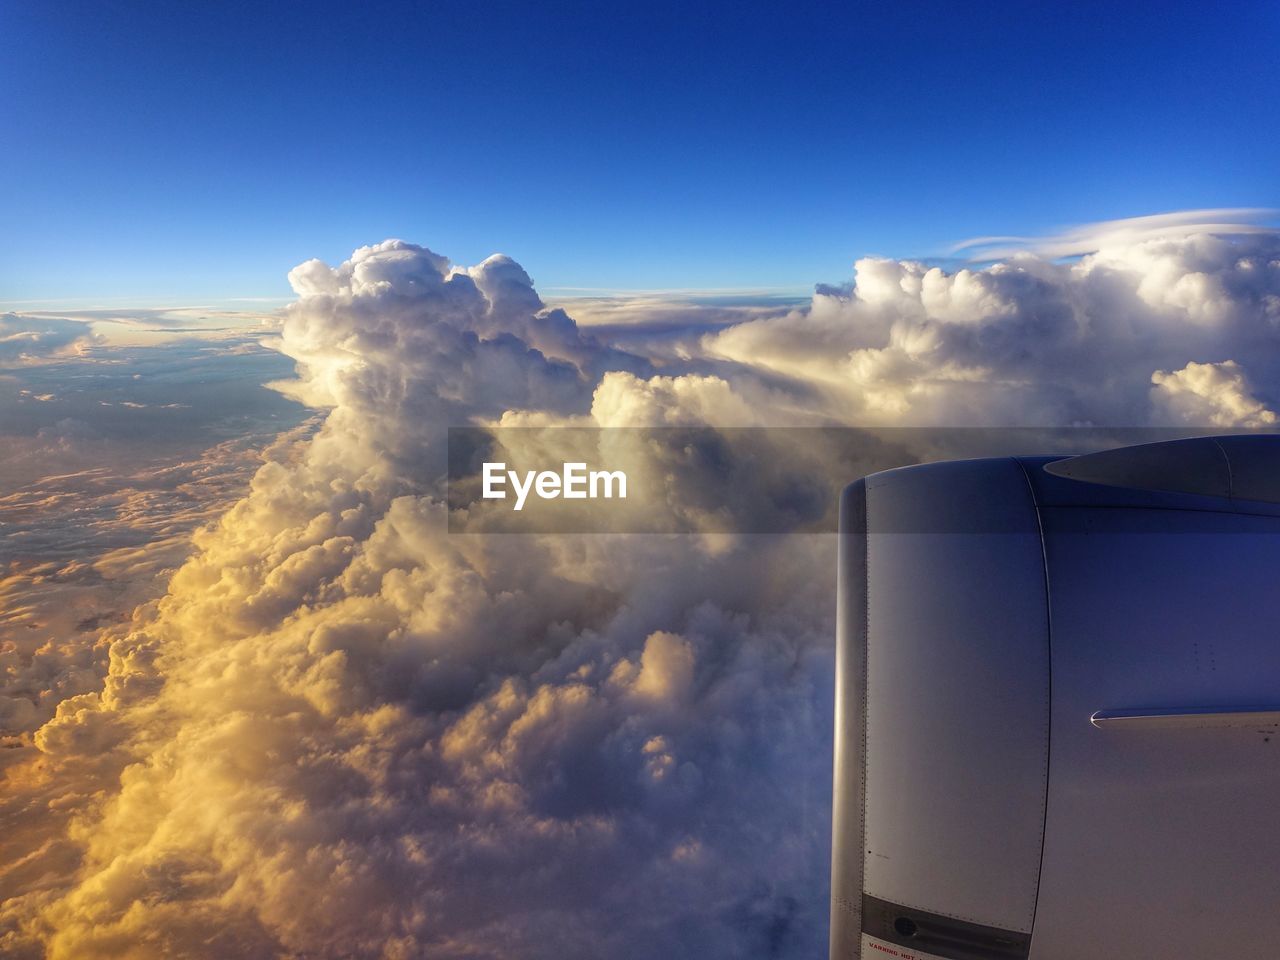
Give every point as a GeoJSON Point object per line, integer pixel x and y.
{"type": "Point", "coordinates": [1058, 700]}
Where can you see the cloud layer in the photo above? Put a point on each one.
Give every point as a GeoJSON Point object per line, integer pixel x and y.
{"type": "Point", "coordinates": [26, 339]}
{"type": "Point", "coordinates": [344, 733]}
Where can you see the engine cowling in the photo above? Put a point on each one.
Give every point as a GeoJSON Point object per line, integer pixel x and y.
{"type": "Point", "coordinates": [1058, 689]}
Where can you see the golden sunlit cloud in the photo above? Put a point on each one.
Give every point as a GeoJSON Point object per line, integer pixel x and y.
{"type": "Point", "coordinates": [341, 732]}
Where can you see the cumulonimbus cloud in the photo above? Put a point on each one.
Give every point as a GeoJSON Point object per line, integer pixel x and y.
{"type": "Point", "coordinates": [344, 733]}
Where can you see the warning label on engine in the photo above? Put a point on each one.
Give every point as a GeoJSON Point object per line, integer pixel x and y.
{"type": "Point", "coordinates": [875, 949]}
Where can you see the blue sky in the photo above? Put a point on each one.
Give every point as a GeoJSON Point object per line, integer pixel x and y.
{"type": "Point", "coordinates": [191, 152]}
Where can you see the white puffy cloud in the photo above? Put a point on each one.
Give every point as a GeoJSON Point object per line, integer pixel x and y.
{"type": "Point", "coordinates": [1026, 341]}
{"type": "Point", "coordinates": [83, 549]}
{"type": "Point", "coordinates": [343, 732]}
{"type": "Point", "coordinates": [1211, 393]}
{"type": "Point", "coordinates": [625, 400]}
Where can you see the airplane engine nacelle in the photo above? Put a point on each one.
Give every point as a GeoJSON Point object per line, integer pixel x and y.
{"type": "Point", "coordinates": [1058, 704]}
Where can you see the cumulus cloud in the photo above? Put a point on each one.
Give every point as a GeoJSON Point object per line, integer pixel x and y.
{"type": "Point", "coordinates": [458, 747]}
{"type": "Point", "coordinates": [1211, 393]}
{"type": "Point", "coordinates": [343, 732]}
{"type": "Point", "coordinates": [1028, 341]}
{"type": "Point", "coordinates": [83, 550]}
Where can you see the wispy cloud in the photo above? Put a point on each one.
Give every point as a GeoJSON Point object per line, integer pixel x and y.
{"type": "Point", "coordinates": [1091, 237]}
